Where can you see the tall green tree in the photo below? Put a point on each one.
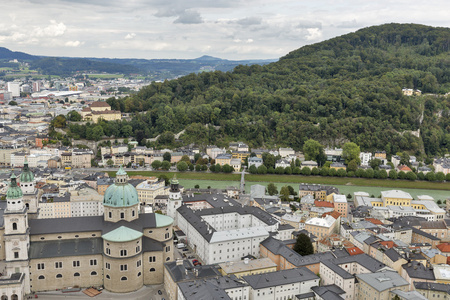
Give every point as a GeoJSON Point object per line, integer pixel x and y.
{"type": "Point", "coordinates": [272, 189]}
{"type": "Point", "coordinates": [303, 245]}
{"type": "Point", "coordinates": [350, 152]}
{"type": "Point", "coordinates": [312, 150]}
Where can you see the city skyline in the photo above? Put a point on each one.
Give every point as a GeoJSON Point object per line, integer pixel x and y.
{"type": "Point", "coordinates": [231, 29]}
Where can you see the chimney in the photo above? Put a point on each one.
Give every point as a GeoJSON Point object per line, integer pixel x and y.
{"type": "Point", "coordinates": [246, 260]}
{"type": "Point", "coordinates": [196, 272]}
{"type": "Point", "coordinates": [179, 262]}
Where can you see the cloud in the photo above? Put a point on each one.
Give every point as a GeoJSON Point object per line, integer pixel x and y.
{"type": "Point", "coordinates": [249, 21]}
{"type": "Point", "coordinates": [130, 36]}
{"type": "Point", "coordinates": [189, 17]}
{"type": "Point", "coordinates": [314, 34]}
{"type": "Point", "coordinates": [73, 43]}
{"type": "Point", "coordinates": [348, 24]}
{"type": "Point", "coordinates": [53, 30]}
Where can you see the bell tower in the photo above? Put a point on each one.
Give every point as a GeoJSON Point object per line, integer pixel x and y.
{"type": "Point", "coordinates": [17, 238]}
{"type": "Point", "coordinates": [28, 186]}
{"type": "Point", "coordinates": [175, 199]}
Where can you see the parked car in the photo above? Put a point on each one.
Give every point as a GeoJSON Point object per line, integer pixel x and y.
{"type": "Point", "coordinates": [194, 261]}
{"type": "Point", "coordinates": [185, 249]}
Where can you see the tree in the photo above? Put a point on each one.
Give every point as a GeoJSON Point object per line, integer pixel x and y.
{"type": "Point", "coordinates": [375, 163]}
{"type": "Point", "coordinates": [262, 169]}
{"type": "Point", "coordinates": [165, 178]}
{"type": "Point", "coordinates": [227, 168]}
{"type": "Point", "coordinates": [439, 202]}
{"type": "Point", "coordinates": [306, 171]}
{"type": "Point", "coordinates": [303, 245]}
{"type": "Point", "coordinates": [341, 173]}
{"type": "Point", "coordinates": [272, 189]}
{"type": "Point", "coordinates": [288, 170]}
{"type": "Point", "coordinates": [166, 138]}
{"type": "Point", "coordinates": [156, 164]}
{"type": "Point", "coordinates": [185, 158]}
{"type": "Point", "coordinates": [74, 116]}
{"type": "Point", "coordinates": [350, 152]}
{"type": "Point", "coordinates": [196, 186]}
{"type": "Point", "coordinates": [269, 160]}
{"type": "Point", "coordinates": [430, 176]}
{"type": "Point", "coordinates": [12, 103]}
{"type": "Point", "coordinates": [110, 162]}
{"type": "Point", "coordinates": [182, 166]}
{"type": "Point", "coordinates": [198, 167]}
{"type": "Point", "coordinates": [360, 173]}
{"type": "Point", "coordinates": [315, 171]}
{"type": "Point", "coordinates": [279, 170]}
{"type": "Point", "coordinates": [167, 156]}
{"type": "Point", "coordinates": [312, 149]}
{"type": "Point", "coordinates": [411, 176]}
{"type": "Point", "coordinates": [440, 176]}
{"type": "Point", "coordinates": [393, 174]}
{"type": "Point", "coordinates": [352, 166]}
{"type": "Point", "coordinates": [382, 174]}
{"type": "Point", "coordinates": [59, 122]}
{"type": "Point", "coordinates": [253, 169]}
{"type": "Point", "coordinates": [291, 191]}
{"type": "Point", "coordinates": [349, 196]}
{"type": "Point", "coordinates": [165, 165]}
{"type": "Point", "coordinates": [284, 193]}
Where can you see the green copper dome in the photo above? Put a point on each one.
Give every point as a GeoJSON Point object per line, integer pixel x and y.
{"type": "Point", "coordinates": [14, 191]}
{"type": "Point", "coordinates": [121, 193]}
{"type": "Point", "coordinates": [26, 175]}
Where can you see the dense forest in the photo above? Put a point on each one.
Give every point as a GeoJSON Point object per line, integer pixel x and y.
{"type": "Point", "coordinates": [348, 88]}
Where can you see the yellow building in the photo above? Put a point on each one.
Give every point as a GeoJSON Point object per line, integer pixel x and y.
{"type": "Point", "coordinates": [100, 110]}
{"type": "Point", "coordinates": [242, 155]}
{"type": "Point", "coordinates": [223, 159]}
{"type": "Point", "coordinates": [248, 267]}
{"type": "Point", "coordinates": [396, 197]}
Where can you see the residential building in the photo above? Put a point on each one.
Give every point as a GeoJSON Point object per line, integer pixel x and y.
{"type": "Point", "coordinates": [254, 161]}
{"type": "Point", "coordinates": [248, 267]}
{"type": "Point", "coordinates": [223, 159]}
{"type": "Point", "coordinates": [379, 285]}
{"type": "Point", "coordinates": [285, 152]}
{"type": "Point", "coordinates": [149, 189]}
{"type": "Point", "coordinates": [365, 158]}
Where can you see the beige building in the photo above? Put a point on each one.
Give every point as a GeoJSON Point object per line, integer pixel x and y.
{"type": "Point", "coordinates": [100, 110]}
{"type": "Point", "coordinates": [321, 227]}
{"type": "Point", "coordinates": [149, 189]}
{"type": "Point", "coordinates": [248, 267]}
{"type": "Point", "coordinates": [379, 285]}
{"type": "Point", "coordinates": [122, 250]}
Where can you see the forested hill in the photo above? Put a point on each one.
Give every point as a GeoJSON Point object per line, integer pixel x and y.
{"type": "Point", "coordinates": [346, 88]}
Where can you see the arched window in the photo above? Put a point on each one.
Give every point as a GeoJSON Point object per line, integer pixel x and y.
{"type": "Point", "coordinates": [58, 276]}
{"type": "Point", "coordinates": [122, 215]}
{"type": "Point", "coordinates": [107, 276]}
{"type": "Point", "coordinates": [133, 213]}
{"type": "Point", "coordinates": [124, 278]}
{"type": "Point", "coordinates": [41, 277]}
{"type": "Point", "coordinates": [139, 274]}
{"type": "Point", "coordinates": [76, 274]}
{"type": "Point", "coordinates": [93, 273]}
{"type": "Point", "coordinates": [27, 205]}
{"type": "Point", "coordinates": [110, 215]}
{"type": "Point", "coordinates": [14, 226]}
{"type": "Point", "coordinates": [152, 270]}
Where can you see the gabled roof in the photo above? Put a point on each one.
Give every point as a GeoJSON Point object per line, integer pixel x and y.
{"type": "Point", "coordinates": [122, 234]}
{"type": "Point", "coordinates": [354, 251]}
{"type": "Point", "coordinates": [283, 277]}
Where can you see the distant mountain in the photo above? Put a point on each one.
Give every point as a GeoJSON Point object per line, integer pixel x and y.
{"type": "Point", "coordinates": [155, 68]}
{"type": "Point", "coordinates": [8, 54]}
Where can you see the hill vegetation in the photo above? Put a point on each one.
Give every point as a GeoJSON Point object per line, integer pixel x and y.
{"type": "Point", "coordinates": [348, 88]}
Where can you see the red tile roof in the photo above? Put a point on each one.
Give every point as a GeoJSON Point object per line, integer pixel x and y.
{"type": "Point", "coordinates": [99, 104]}
{"type": "Point", "coordinates": [318, 203]}
{"type": "Point", "coordinates": [445, 247]}
{"type": "Point", "coordinates": [404, 168]}
{"type": "Point", "coordinates": [354, 251]}
{"type": "Point", "coordinates": [374, 221]}
{"type": "Point", "coordinates": [334, 214]}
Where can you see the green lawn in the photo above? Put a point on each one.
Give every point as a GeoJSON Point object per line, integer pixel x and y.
{"type": "Point", "coordinates": [344, 181]}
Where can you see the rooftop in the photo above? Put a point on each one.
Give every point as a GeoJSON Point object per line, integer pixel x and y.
{"type": "Point", "coordinates": [382, 281]}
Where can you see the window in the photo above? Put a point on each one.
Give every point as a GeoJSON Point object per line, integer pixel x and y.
{"type": "Point", "coordinates": [41, 277]}
{"type": "Point", "coordinates": [93, 262]}
{"type": "Point", "coordinates": [58, 276]}
{"type": "Point", "coordinates": [132, 213]}
{"type": "Point", "coordinates": [122, 215]}
{"type": "Point", "coordinates": [166, 236]}
{"type": "Point", "coordinates": [16, 254]}
{"type": "Point", "coordinates": [167, 248]}
{"type": "Point", "coordinates": [110, 215]}
{"type": "Point", "coordinates": [14, 226]}
{"type": "Point", "coordinates": [138, 263]}
{"type": "Point", "coordinates": [107, 276]}
{"type": "Point", "coordinates": [76, 274]}
{"type": "Point", "coordinates": [76, 263]}
{"type": "Point", "coordinates": [152, 270]}
{"type": "Point", "coordinates": [123, 278]}
{"type": "Point", "coordinates": [41, 266]}
{"type": "Point", "coordinates": [108, 251]}
{"type": "Point", "coordinates": [108, 266]}
{"type": "Point", "coordinates": [123, 252]}
{"type": "Point", "coordinates": [167, 259]}
{"type": "Point", "coordinates": [93, 273]}
{"type": "Point", "coordinates": [58, 265]}
{"type": "Point", "coordinates": [123, 267]}
{"type": "Point", "coordinates": [152, 259]}
{"type": "Point", "coordinates": [139, 274]}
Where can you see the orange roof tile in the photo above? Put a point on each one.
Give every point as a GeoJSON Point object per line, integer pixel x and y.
{"type": "Point", "coordinates": [404, 168]}
{"type": "Point", "coordinates": [318, 203]}
{"type": "Point", "coordinates": [354, 251]}
{"type": "Point", "coordinates": [334, 214]}
{"type": "Point", "coordinates": [445, 247]}
{"type": "Point", "coordinates": [374, 221]}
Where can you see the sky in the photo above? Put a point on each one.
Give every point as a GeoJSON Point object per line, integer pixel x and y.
{"type": "Point", "coordinates": [229, 29]}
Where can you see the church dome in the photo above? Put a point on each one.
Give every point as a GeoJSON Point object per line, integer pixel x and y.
{"type": "Point", "coordinates": [14, 191]}
{"type": "Point", "coordinates": [26, 175]}
{"type": "Point", "coordinates": [121, 193]}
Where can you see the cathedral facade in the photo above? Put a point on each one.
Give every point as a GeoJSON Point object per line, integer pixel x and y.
{"type": "Point", "coordinates": [122, 251]}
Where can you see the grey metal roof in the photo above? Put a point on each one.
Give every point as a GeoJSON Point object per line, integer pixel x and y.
{"type": "Point", "coordinates": [432, 286]}
{"type": "Point", "coordinates": [151, 245]}
{"type": "Point", "coordinates": [392, 254]}
{"type": "Point", "coordinates": [60, 248]}
{"type": "Point", "coordinates": [417, 270]}
{"type": "Point", "coordinates": [186, 271]}
{"type": "Point", "coordinates": [424, 234]}
{"type": "Point", "coordinates": [200, 290]}
{"type": "Point", "coordinates": [328, 292]}
{"type": "Point", "coordinates": [86, 224]}
{"type": "Point", "coordinates": [272, 279]}
{"type": "Point", "coordinates": [382, 281]}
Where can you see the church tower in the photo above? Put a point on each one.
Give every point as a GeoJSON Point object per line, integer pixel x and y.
{"type": "Point", "coordinates": [175, 199]}
{"type": "Point", "coordinates": [17, 239]}
{"type": "Point", "coordinates": [28, 186]}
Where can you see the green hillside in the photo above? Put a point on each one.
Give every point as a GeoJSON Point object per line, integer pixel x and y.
{"type": "Point", "coordinates": [346, 88]}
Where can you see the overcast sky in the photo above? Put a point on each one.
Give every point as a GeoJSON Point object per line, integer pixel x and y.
{"type": "Point", "coordinates": [231, 29]}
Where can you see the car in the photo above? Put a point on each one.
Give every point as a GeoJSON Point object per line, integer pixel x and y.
{"type": "Point", "coordinates": [185, 249]}
{"type": "Point", "coordinates": [194, 261]}
{"type": "Point", "coordinates": [197, 263]}
{"type": "Point", "coordinates": [159, 292]}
